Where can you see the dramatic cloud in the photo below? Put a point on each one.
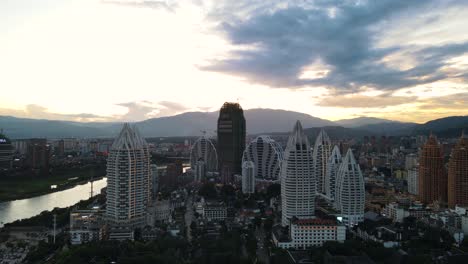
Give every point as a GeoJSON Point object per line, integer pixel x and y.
{"type": "Point", "coordinates": [277, 43]}
{"type": "Point", "coordinates": [145, 109]}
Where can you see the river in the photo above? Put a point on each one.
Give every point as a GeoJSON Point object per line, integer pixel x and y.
{"type": "Point", "coordinates": [26, 208]}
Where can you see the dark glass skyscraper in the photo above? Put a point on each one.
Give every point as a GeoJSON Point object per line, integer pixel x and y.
{"type": "Point", "coordinates": [231, 140]}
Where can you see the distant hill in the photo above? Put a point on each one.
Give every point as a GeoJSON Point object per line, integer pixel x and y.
{"type": "Point", "coordinates": [186, 124]}
{"type": "Point", "coordinates": [377, 125]}
{"type": "Point", "coordinates": [362, 121]}
{"type": "Point", "coordinates": [28, 128]}
{"type": "Point", "coordinates": [259, 121]}
{"type": "Point", "coordinates": [444, 127]}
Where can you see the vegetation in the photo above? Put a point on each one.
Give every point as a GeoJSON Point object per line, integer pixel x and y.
{"type": "Point", "coordinates": [227, 249]}
{"type": "Point", "coordinates": [21, 187]}
{"type": "Point", "coordinates": [164, 250]}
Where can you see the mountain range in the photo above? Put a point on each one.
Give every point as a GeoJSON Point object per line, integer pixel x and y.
{"type": "Point", "coordinates": [193, 123]}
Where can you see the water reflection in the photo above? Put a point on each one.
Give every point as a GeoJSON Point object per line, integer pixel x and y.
{"type": "Point", "coordinates": [26, 208]}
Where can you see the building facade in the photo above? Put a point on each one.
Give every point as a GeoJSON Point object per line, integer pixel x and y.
{"type": "Point", "coordinates": [307, 233]}
{"type": "Point", "coordinates": [231, 139]}
{"type": "Point", "coordinates": [6, 152]}
{"type": "Point", "coordinates": [412, 180]}
{"type": "Point", "coordinates": [350, 191]}
{"type": "Point", "coordinates": [458, 174]}
{"type": "Point", "coordinates": [432, 176]}
{"type": "Point", "coordinates": [266, 154]}
{"type": "Point", "coordinates": [128, 179]}
{"type": "Point", "coordinates": [321, 154]}
{"type": "Point", "coordinates": [333, 164]}
{"type": "Point", "coordinates": [203, 158]}
{"type": "Point", "coordinates": [298, 185]}
{"type": "Point", "coordinates": [248, 177]}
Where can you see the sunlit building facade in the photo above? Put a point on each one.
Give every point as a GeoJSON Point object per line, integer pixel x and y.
{"type": "Point", "coordinates": [129, 179]}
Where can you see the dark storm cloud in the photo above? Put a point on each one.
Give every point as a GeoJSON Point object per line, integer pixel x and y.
{"type": "Point", "coordinates": [340, 34]}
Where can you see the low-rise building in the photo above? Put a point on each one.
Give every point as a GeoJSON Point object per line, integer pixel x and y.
{"type": "Point", "coordinates": [307, 233]}
{"type": "Point", "coordinates": [86, 226]}
{"type": "Point", "coordinates": [214, 211]}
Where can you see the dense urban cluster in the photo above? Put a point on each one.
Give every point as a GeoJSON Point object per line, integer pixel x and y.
{"type": "Point", "coordinates": [239, 198]}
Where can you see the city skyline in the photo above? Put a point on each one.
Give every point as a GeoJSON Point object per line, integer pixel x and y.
{"type": "Point", "coordinates": [405, 61]}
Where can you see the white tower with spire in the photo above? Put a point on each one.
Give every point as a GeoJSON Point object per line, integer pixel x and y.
{"type": "Point", "coordinates": [334, 162]}
{"type": "Point", "coordinates": [350, 192]}
{"type": "Point", "coordinates": [322, 152]}
{"type": "Point", "coordinates": [298, 186]}
{"type": "Point", "coordinates": [128, 179]}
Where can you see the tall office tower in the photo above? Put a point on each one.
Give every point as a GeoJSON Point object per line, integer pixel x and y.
{"type": "Point", "coordinates": [128, 179]}
{"type": "Point", "coordinates": [6, 152]}
{"type": "Point", "coordinates": [334, 162]}
{"type": "Point", "coordinates": [231, 140]}
{"type": "Point", "coordinates": [412, 180]}
{"type": "Point", "coordinates": [350, 191]}
{"type": "Point", "coordinates": [203, 158]}
{"type": "Point", "coordinates": [267, 155]}
{"type": "Point", "coordinates": [154, 182]}
{"type": "Point", "coordinates": [248, 177]}
{"type": "Point", "coordinates": [458, 174]}
{"type": "Point", "coordinates": [432, 175]}
{"type": "Point", "coordinates": [321, 154]}
{"type": "Point", "coordinates": [298, 185]}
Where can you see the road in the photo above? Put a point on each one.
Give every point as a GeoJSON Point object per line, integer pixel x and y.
{"type": "Point", "coordinates": [262, 250]}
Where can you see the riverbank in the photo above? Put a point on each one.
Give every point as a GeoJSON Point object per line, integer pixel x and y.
{"type": "Point", "coordinates": [27, 187]}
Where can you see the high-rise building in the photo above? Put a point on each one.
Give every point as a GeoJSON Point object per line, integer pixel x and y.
{"type": "Point", "coordinates": [266, 154]}
{"type": "Point", "coordinates": [321, 154]}
{"type": "Point", "coordinates": [6, 152]}
{"type": "Point", "coordinates": [248, 177]}
{"type": "Point", "coordinates": [231, 139]}
{"type": "Point", "coordinates": [37, 155]}
{"type": "Point", "coordinates": [432, 175]}
{"type": "Point", "coordinates": [458, 174]}
{"type": "Point", "coordinates": [203, 158]}
{"type": "Point", "coordinates": [412, 180]}
{"type": "Point", "coordinates": [171, 177]}
{"type": "Point", "coordinates": [333, 165]}
{"type": "Point", "coordinates": [154, 181]}
{"type": "Point", "coordinates": [128, 179]}
{"type": "Point", "coordinates": [298, 185]}
{"type": "Point", "coordinates": [350, 191]}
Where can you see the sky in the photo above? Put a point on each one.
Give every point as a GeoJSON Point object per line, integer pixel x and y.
{"type": "Point", "coordinates": [129, 60]}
